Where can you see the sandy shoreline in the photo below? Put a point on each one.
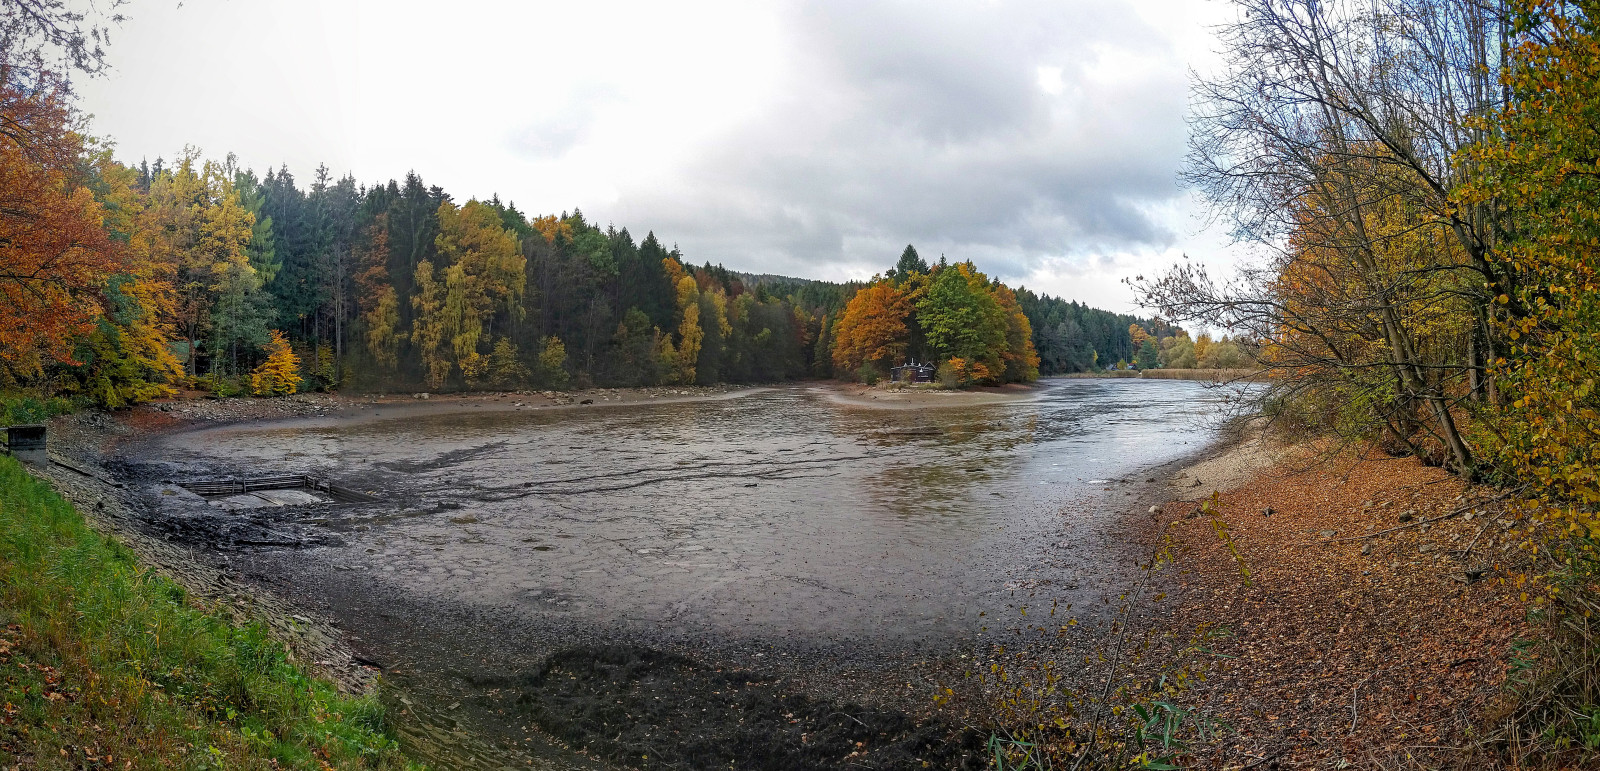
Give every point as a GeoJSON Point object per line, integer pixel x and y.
{"type": "Point", "coordinates": [1247, 449]}
{"type": "Point", "coordinates": [882, 397]}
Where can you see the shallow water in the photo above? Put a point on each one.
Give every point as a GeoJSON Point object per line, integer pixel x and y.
{"type": "Point", "coordinates": [768, 516]}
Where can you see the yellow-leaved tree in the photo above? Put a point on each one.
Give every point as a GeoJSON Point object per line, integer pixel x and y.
{"type": "Point", "coordinates": [1539, 168]}
{"type": "Point", "coordinates": [552, 363]}
{"type": "Point", "coordinates": [279, 375]}
{"type": "Point", "coordinates": [479, 279]}
{"type": "Point", "coordinates": [689, 332]}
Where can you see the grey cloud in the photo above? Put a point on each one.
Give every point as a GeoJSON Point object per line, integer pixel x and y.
{"type": "Point", "coordinates": [924, 123]}
{"type": "Point", "coordinates": [564, 126]}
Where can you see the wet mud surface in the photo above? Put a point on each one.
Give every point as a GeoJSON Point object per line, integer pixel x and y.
{"type": "Point", "coordinates": [775, 580]}
{"type": "Point", "coordinates": [640, 704]}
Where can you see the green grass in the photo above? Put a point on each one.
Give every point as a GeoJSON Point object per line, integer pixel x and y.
{"type": "Point", "coordinates": [104, 664]}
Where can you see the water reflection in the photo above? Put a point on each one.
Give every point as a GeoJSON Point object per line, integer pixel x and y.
{"type": "Point", "coordinates": [778, 513]}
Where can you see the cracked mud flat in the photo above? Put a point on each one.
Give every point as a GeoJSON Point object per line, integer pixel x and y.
{"type": "Point", "coordinates": [771, 577]}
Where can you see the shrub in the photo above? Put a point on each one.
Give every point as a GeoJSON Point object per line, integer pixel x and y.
{"type": "Point", "coordinates": [15, 410]}
{"type": "Point", "coordinates": [218, 385]}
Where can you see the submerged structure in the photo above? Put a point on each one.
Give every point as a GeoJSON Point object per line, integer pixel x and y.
{"type": "Point", "coordinates": [27, 443]}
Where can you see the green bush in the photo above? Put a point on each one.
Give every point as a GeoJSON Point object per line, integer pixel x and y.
{"type": "Point", "coordinates": [218, 385]}
{"type": "Point", "coordinates": [869, 373]}
{"type": "Point", "coordinates": [15, 410]}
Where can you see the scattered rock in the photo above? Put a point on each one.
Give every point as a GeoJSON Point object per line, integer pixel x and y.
{"type": "Point", "coordinates": [1328, 533]}
{"type": "Point", "coordinates": [1266, 512]}
{"type": "Point", "coordinates": [1366, 548]}
{"type": "Point", "coordinates": [1407, 516]}
{"type": "Point", "coordinates": [587, 401]}
{"type": "Point", "coordinates": [1155, 509]}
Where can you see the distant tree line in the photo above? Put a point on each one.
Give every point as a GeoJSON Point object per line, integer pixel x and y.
{"type": "Point", "coordinates": [181, 272]}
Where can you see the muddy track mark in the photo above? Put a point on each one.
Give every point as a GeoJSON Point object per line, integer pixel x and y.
{"type": "Point", "coordinates": [445, 459]}
{"type": "Point", "coordinates": [790, 470]}
{"type": "Point", "coordinates": [652, 709]}
{"type": "Point", "coordinates": [690, 467]}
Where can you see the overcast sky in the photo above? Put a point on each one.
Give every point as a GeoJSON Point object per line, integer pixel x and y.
{"type": "Point", "coordinates": [1039, 139]}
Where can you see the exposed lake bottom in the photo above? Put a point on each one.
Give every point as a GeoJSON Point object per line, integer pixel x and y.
{"type": "Point", "coordinates": [776, 570]}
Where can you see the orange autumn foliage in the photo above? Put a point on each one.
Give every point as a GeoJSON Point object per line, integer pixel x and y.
{"type": "Point", "coordinates": [54, 255]}
{"type": "Point", "coordinates": [552, 227]}
{"type": "Point", "coordinates": [872, 327]}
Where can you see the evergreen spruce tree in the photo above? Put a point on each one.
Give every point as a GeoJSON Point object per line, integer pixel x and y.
{"type": "Point", "coordinates": [909, 263]}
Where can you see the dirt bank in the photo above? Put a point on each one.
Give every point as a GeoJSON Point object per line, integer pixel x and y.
{"type": "Point", "coordinates": [1374, 629]}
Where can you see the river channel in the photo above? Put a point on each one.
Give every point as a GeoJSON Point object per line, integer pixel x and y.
{"type": "Point", "coordinates": [765, 522]}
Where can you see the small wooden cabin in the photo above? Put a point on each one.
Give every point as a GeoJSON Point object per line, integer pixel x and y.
{"type": "Point", "coordinates": [912, 372]}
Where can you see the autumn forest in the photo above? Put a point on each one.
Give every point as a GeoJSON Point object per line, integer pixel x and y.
{"type": "Point", "coordinates": [123, 282]}
{"type": "Point", "coordinates": [1373, 481]}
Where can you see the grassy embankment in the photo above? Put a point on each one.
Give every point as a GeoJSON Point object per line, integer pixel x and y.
{"type": "Point", "coordinates": [105, 664]}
